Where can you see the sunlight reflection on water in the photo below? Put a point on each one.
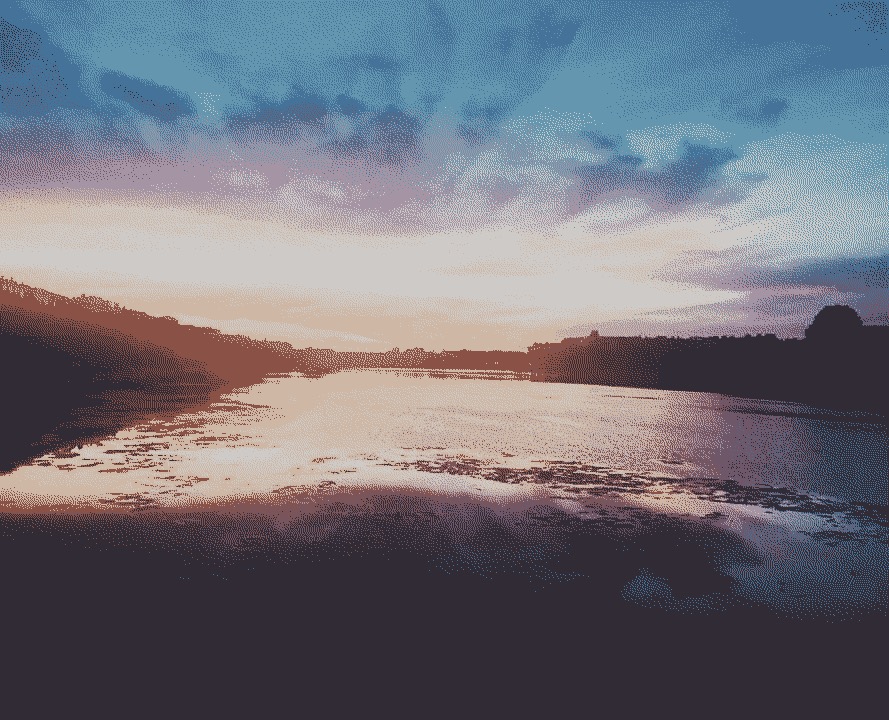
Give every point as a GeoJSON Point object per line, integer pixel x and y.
{"type": "Point", "coordinates": [807, 492]}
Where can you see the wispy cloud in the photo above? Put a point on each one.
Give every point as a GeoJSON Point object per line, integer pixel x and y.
{"type": "Point", "coordinates": [423, 118]}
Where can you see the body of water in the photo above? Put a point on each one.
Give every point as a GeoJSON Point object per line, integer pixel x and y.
{"type": "Point", "coordinates": [786, 503]}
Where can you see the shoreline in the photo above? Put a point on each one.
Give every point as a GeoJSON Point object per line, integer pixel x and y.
{"type": "Point", "coordinates": [639, 564]}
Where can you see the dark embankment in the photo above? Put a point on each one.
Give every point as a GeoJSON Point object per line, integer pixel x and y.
{"type": "Point", "coordinates": [392, 597]}
{"type": "Point", "coordinates": [839, 365]}
{"type": "Point", "coordinates": [79, 369]}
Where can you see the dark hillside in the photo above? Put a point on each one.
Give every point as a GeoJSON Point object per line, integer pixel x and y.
{"type": "Point", "coordinates": [79, 369]}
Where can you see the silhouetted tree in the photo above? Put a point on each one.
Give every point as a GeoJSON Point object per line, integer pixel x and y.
{"type": "Point", "coordinates": [834, 322]}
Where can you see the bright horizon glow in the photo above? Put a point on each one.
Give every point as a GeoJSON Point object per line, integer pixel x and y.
{"type": "Point", "coordinates": [453, 286]}
{"type": "Point", "coordinates": [445, 177]}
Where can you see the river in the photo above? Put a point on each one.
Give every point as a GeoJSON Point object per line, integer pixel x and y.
{"type": "Point", "coordinates": [800, 494]}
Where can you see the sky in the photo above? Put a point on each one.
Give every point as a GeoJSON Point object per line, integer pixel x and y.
{"type": "Point", "coordinates": [460, 174]}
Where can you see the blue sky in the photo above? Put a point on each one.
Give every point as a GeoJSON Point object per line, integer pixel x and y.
{"type": "Point", "coordinates": [761, 124]}
{"type": "Point", "coordinates": [749, 66]}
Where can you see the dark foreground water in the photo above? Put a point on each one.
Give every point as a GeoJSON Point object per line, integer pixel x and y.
{"type": "Point", "coordinates": [461, 527]}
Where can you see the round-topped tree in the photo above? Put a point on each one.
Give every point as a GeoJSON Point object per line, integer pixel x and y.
{"type": "Point", "coordinates": [834, 322]}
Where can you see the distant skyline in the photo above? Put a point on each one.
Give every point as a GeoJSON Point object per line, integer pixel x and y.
{"type": "Point", "coordinates": [450, 175]}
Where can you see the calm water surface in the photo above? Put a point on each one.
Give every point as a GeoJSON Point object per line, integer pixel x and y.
{"type": "Point", "coordinates": [806, 491]}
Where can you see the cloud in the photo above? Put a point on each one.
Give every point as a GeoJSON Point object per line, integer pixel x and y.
{"type": "Point", "coordinates": [419, 117]}
{"type": "Point", "coordinates": [863, 281]}
{"type": "Point", "coordinates": [768, 112]}
{"type": "Point", "coordinates": [35, 76]}
{"type": "Point", "coordinates": [814, 196]}
{"type": "Point", "coordinates": [71, 148]}
{"type": "Point", "coordinates": [54, 133]}
{"type": "Point", "coordinates": [481, 118]}
{"type": "Point", "coordinates": [162, 103]}
{"type": "Point", "coordinates": [280, 121]}
{"type": "Point", "coordinates": [548, 31]}
{"type": "Point", "coordinates": [344, 128]}
{"type": "Point", "coordinates": [391, 137]}
{"type": "Point", "coordinates": [600, 141]}
{"type": "Point", "coordinates": [778, 292]}
{"type": "Point", "coordinates": [19, 46]}
{"type": "Point", "coordinates": [785, 313]}
{"type": "Point", "coordinates": [847, 274]}
{"type": "Point", "coordinates": [682, 180]}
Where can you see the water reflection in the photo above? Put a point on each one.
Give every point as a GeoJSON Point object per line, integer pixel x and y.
{"type": "Point", "coordinates": [806, 495]}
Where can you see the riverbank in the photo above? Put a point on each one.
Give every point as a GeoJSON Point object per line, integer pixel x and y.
{"type": "Point", "coordinates": [79, 369]}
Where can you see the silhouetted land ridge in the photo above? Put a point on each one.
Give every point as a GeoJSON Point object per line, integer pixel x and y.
{"type": "Point", "coordinates": [82, 368]}
{"type": "Point", "coordinates": [76, 369]}
{"type": "Point", "coordinates": [840, 364]}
